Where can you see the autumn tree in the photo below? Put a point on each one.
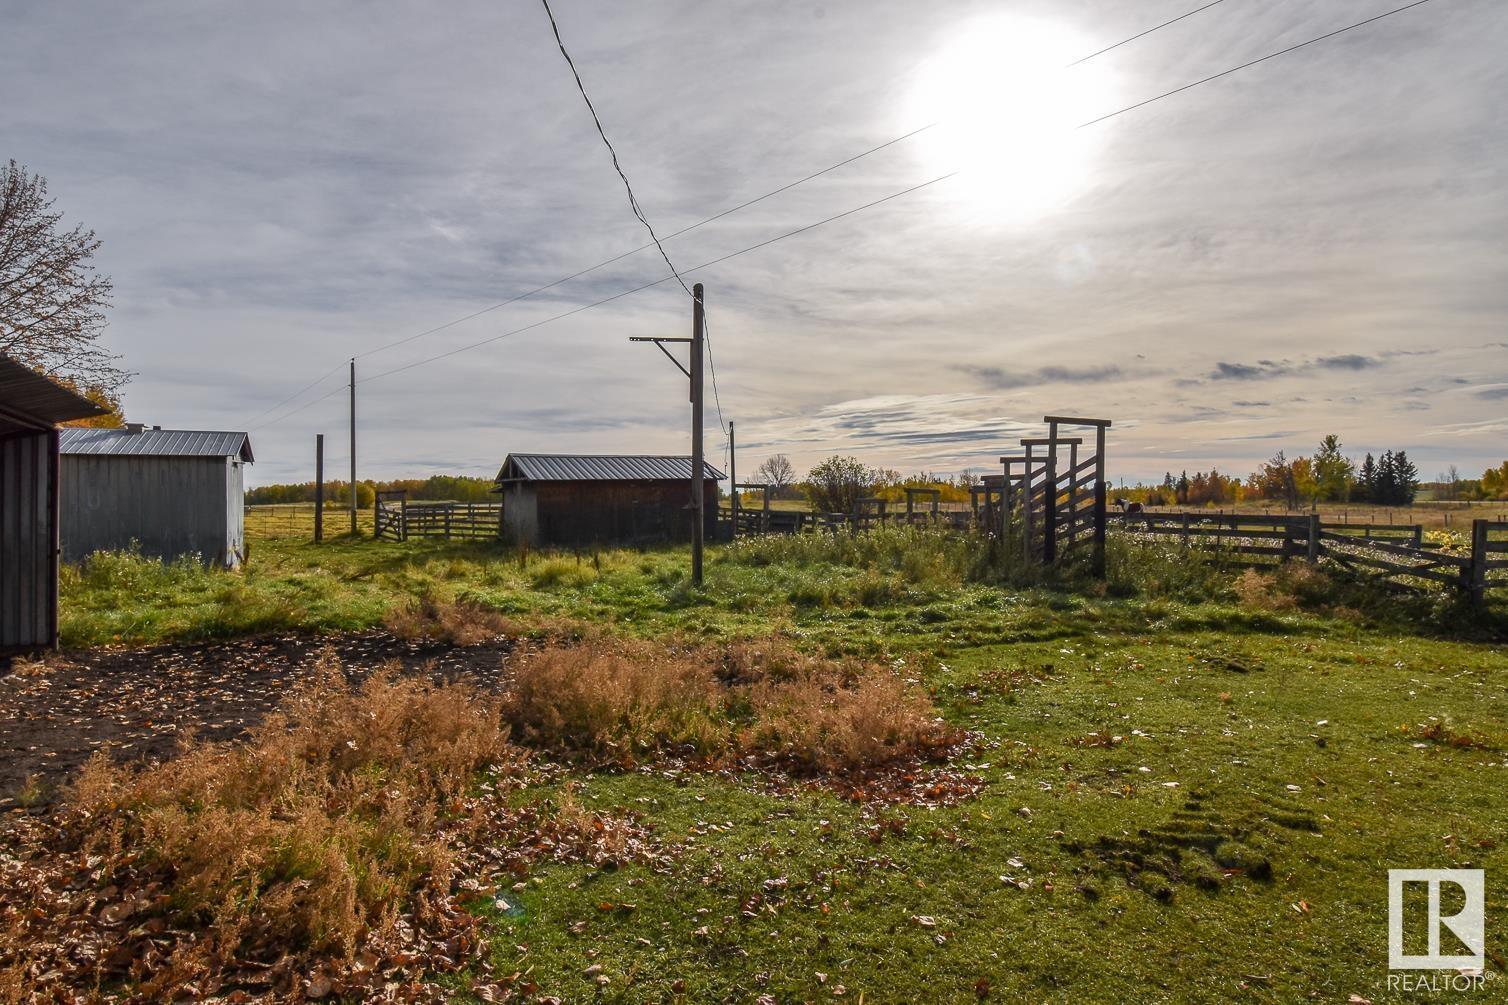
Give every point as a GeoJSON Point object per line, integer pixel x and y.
{"type": "Point", "coordinates": [1494, 482]}
{"type": "Point", "coordinates": [1334, 474]}
{"type": "Point", "coordinates": [52, 301]}
{"type": "Point", "coordinates": [777, 472]}
{"type": "Point", "coordinates": [837, 484]}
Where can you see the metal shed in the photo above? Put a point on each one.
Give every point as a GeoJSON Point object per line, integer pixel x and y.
{"type": "Point", "coordinates": [577, 499]}
{"type": "Point", "coordinates": [171, 492]}
{"type": "Point", "coordinates": [31, 406]}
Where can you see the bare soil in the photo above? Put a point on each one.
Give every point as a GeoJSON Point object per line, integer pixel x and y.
{"type": "Point", "coordinates": [138, 704]}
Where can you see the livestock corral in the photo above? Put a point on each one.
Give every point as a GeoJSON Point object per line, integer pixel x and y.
{"type": "Point", "coordinates": [864, 747]}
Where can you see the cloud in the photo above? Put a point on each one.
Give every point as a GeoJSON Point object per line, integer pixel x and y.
{"type": "Point", "coordinates": [1274, 435]}
{"type": "Point", "coordinates": [1350, 361]}
{"type": "Point", "coordinates": [1260, 370]}
{"type": "Point", "coordinates": [1264, 369]}
{"type": "Point", "coordinates": [1494, 392]}
{"type": "Point", "coordinates": [1003, 379]}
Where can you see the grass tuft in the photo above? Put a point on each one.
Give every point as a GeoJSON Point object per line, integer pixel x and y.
{"type": "Point", "coordinates": [623, 703]}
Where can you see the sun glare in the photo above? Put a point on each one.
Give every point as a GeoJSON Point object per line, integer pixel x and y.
{"type": "Point", "coordinates": [1007, 105]}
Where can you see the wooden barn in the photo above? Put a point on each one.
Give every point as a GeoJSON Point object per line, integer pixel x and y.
{"type": "Point", "coordinates": [31, 406]}
{"type": "Point", "coordinates": [171, 492]}
{"type": "Point", "coordinates": [575, 499]}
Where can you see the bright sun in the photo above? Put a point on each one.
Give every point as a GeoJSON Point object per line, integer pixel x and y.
{"type": "Point", "coordinates": [1007, 105]}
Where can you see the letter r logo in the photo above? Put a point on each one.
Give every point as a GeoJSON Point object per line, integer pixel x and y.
{"type": "Point", "coordinates": [1468, 924]}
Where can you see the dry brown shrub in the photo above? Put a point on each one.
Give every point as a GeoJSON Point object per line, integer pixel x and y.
{"type": "Point", "coordinates": [311, 837]}
{"type": "Point", "coordinates": [324, 855]}
{"type": "Point", "coordinates": [616, 702]}
{"type": "Point", "coordinates": [314, 830]}
{"type": "Point", "coordinates": [457, 622]}
{"type": "Point", "coordinates": [624, 702]}
{"type": "Point", "coordinates": [1286, 588]}
{"type": "Point", "coordinates": [845, 719]}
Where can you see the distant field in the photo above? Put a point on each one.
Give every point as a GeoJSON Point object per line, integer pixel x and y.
{"type": "Point", "coordinates": [289, 520]}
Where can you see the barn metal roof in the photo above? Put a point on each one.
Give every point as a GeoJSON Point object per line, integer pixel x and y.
{"type": "Point", "coordinates": [600, 468]}
{"type": "Point", "coordinates": [28, 396]}
{"type": "Point", "coordinates": [137, 442]}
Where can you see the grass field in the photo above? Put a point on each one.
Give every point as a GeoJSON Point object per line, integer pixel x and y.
{"type": "Point", "coordinates": [1192, 783]}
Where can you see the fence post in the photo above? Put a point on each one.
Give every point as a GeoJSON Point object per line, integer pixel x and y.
{"type": "Point", "coordinates": [1099, 529]}
{"type": "Point", "coordinates": [1477, 586]}
{"type": "Point", "coordinates": [1314, 538]}
{"type": "Point", "coordinates": [1183, 534]}
{"type": "Point", "coordinates": [1419, 534]}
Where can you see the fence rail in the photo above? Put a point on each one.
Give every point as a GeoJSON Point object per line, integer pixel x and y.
{"type": "Point", "coordinates": [1390, 551]}
{"type": "Point", "coordinates": [397, 519]}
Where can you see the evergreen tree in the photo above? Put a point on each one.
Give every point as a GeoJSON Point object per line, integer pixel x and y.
{"type": "Point", "coordinates": [1366, 488]}
{"type": "Point", "coordinates": [1405, 480]}
{"type": "Point", "coordinates": [1385, 489]}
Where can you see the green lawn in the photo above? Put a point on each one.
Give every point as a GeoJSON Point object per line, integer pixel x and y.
{"type": "Point", "coordinates": [1186, 799]}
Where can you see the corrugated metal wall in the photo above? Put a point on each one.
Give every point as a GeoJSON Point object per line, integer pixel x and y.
{"type": "Point", "coordinates": [169, 506]}
{"type": "Point", "coordinates": [28, 582]}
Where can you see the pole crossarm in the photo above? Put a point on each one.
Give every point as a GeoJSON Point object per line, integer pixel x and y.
{"type": "Point", "coordinates": [660, 345]}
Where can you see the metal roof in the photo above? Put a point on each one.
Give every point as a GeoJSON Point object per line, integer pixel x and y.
{"type": "Point", "coordinates": [28, 396]}
{"type": "Point", "coordinates": [135, 442]}
{"type": "Point", "coordinates": [600, 468]}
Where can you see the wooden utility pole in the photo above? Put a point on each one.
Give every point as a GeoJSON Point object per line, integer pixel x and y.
{"type": "Point", "coordinates": [698, 329]}
{"type": "Point", "coordinates": [733, 477]}
{"type": "Point", "coordinates": [319, 487]}
{"type": "Point", "coordinates": [353, 446]}
{"type": "Point", "coordinates": [694, 376]}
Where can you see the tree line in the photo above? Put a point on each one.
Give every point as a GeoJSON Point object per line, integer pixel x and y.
{"type": "Point", "coordinates": [835, 485]}
{"type": "Point", "coordinates": [1328, 475]}
{"type": "Point", "coordinates": [437, 488]}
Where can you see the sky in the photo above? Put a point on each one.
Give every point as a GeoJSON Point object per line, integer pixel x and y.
{"type": "Point", "coordinates": [1312, 245]}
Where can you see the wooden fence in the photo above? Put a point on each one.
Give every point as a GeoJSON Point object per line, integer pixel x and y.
{"type": "Point", "coordinates": [1389, 551]}
{"type": "Point", "coordinates": [397, 519]}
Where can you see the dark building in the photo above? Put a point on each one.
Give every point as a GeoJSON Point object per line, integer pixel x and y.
{"type": "Point", "coordinates": [570, 499]}
{"type": "Point", "coordinates": [31, 406]}
{"type": "Point", "coordinates": [168, 492]}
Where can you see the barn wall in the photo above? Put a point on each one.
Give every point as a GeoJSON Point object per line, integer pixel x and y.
{"type": "Point", "coordinates": [618, 512]}
{"type": "Point", "coordinates": [28, 578]}
{"type": "Point", "coordinates": [520, 514]}
{"type": "Point", "coordinates": [170, 506]}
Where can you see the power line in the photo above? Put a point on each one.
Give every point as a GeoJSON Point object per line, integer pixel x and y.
{"type": "Point", "coordinates": [1261, 59]}
{"type": "Point", "coordinates": [838, 216]}
{"type": "Point", "coordinates": [664, 279]}
{"type": "Point", "coordinates": [305, 405]}
{"type": "Point", "coordinates": [694, 226]}
{"type": "Point", "coordinates": [633, 201]}
{"type": "Point", "coordinates": [314, 383]}
{"type": "Point", "coordinates": [1144, 34]}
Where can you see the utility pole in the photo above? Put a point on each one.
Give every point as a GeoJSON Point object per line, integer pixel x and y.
{"type": "Point", "coordinates": [699, 498]}
{"type": "Point", "coordinates": [694, 376]}
{"type": "Point", "coordinates": [319, 487]}
{"type": "Point", "coordinates": [733, 477]}
{"type": "Point", "coordinates": [353, 446]}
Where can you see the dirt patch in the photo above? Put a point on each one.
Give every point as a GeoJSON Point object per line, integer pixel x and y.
{"type": "Point", "coordinates": [137, 703]}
